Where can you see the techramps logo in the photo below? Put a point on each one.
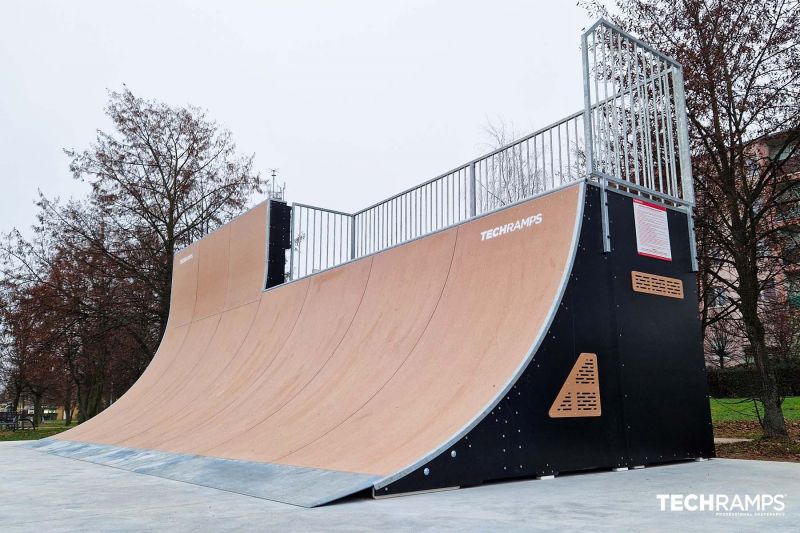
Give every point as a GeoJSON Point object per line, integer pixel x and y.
{"type": "Point", "coordinates": [736, 505]}
{"type": "Point", "coordinates": [511, 227]}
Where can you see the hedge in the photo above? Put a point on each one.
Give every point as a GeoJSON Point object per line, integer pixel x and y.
{"type": "Point", "coordinates": [742, 381]}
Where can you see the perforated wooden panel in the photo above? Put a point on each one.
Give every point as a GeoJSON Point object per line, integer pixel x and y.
{"type": "Point", "coordinates": [658, 285]}
{"type": "Point", "coordinates": [580, 394]}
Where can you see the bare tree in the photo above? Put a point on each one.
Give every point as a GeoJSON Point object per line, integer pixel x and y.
{"type": "Point", "coordinates": [525, 165]}
{"type": "Point", "coordinates": [166, 177]}
{"type": "Point", "coordinates": [722, 341]}
{"type": "Point", "coordinates": [100, 268]}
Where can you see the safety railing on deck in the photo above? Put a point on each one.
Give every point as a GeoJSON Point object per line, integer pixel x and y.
{"type": "Point", "coordinates": [321, 239]}
{"type": "Point", "coordinates": [634, 117]}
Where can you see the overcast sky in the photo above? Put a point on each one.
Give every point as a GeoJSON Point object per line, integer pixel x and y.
{"type": "Point", "coordinates": [351, 100]}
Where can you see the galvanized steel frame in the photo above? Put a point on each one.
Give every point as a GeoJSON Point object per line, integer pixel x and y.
{"type": "Point", "coordinates": [650, 158]}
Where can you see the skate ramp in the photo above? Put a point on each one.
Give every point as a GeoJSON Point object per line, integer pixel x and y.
{"type": "Point", "coordinates": [333, 383]}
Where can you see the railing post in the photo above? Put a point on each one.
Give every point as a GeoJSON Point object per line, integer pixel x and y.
{"type": "Point", "coordinates": [684, 155]}
{"type": "Point", "coordinates": [291, 244]}
{"type": "Point", "coordinates": [352, 236]}
{"type": "Point", "coordinates": [589, 139]}
{"type": "Point", "coordinates": [472, 186]}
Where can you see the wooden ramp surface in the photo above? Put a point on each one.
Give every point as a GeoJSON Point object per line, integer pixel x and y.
{"type": "Point", "coordinates": [363, 370]}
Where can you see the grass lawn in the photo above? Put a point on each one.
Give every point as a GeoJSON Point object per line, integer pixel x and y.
{"type": "Point", "coordinates": [736, 418]}
{"type": "Point", "coordinates": [727, 409]}
{"type": "Point", "coordinates": [47, 429]}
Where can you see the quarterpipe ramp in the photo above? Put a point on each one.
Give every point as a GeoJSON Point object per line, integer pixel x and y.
{"type": "Point", "coordinates": [446, 361]}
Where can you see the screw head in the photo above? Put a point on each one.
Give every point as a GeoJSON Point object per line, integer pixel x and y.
{"type": "Point", "coordinates": [426, 471]}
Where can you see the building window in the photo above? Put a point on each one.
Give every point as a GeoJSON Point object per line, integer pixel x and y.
{"type": "Point", "coordinates": [790, 202]}
{"type": "Point", "coordinates": [780, 152]}
{"type": "Point", "coordinates": [793, 289]}
{"type": "Point", "coordinates": [717, 298]}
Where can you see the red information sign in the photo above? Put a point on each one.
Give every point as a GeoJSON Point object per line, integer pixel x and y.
{"type": "Point", "coordinates": [652, 230]}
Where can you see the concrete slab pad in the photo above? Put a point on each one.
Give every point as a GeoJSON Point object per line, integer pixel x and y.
{"type": "Point", "coordinates": [47, 492]}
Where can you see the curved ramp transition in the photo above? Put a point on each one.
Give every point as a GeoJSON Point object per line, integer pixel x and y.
{"type": "Point", "coordinates": [353, 378]}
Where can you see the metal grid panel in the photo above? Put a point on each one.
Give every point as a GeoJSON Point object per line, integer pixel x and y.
{"type": "Point", "coordinates": [321, 239]}
{"type": "Point", "coordinates": [635, 111]}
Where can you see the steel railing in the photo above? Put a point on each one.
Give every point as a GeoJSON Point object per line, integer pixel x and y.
{"type": "Point", "coordinates": [321, 239]}
{"type": "Point", "coordinates": [634, 116]}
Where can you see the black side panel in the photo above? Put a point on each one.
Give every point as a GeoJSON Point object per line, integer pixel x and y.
{"type": "Point", "coordinates": [650, 368]}
{"type": "Point", "coordinates": [659, 340]}
{"type": "Point", "coordinates": [279, 241]}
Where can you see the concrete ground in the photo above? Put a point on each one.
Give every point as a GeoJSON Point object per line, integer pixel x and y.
{"type": "Point", "coordinates": [40, 492]}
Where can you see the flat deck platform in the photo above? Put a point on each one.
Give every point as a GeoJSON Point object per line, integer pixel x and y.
{"type": "Point", "coordinates": [42, 492]}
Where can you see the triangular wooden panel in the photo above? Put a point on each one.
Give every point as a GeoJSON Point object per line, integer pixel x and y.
{"type": "Point", "coordinates": [580, 394]}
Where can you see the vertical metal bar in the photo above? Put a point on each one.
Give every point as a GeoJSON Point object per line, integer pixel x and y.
{"type": "Point", "coordinates": [657, 99]}
{"type": "Point", "coordinates": [552, 166]}
{"type": "Point", "coordinates": [447, 201]}
{"type": "Point", "coordinates": [352, 236]}
{"type": "Point", "coordinates": [429, 201]}
{"type": "Point", "coordinates": [615, 127]}
{"type": "Point", "coordinates": [458, 196]}
{"type": "Point", "coordinates": [634, 131]}
{"type": "Point", "coordinates": [291, 243]}
{"type": "Point", "coordinates": [308, 237]}
{"type": "Point", "coordinates": [623, 120]}
{"type": "Point", "coordinates": [569, 163]}
{"type": "Point", "coordinates": [536, 163]}
{"type": "Point", "coordinates": [316, 242]}
{"type": "Point", "coordinates": [560, 169]}
{"type": "Point", "coordinates": [669, 113]}
{"type": "Point", "coordinates": [602, 111]}
{"type": "Point", "coordinates": [417, 212]}
{"type": "Point", "coordinates": [598, 130]}
{"type": "Point", "coordinates": [576, 172]}
{"type": "Point", "coordinates": [587, 117]}
{"type": "Point", "coordinates": [587, 106]}
{"type": "Point", "coordinates": [327, 239]}
{"type": "Point", "coordinates": [647, 127]}
{"type": "Point", "coordinates": [472, 195]}
{"type": "Point", "coordinates": [687, 183]}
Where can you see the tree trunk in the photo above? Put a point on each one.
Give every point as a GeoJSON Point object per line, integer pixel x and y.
{"type": "Point", "coordinates": [68, 403]}
{"type": "Point", "coordinates": [17, 396]}
{"type": "Point", "coordinates": [37, 409]}
{"type": "Point", "coordinates": [91, 402]}
{"type": "Point", "coordinates": [773, 423]}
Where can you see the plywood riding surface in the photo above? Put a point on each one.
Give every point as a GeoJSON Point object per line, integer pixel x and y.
{"type": "Point", "coordinates": [366, 368]}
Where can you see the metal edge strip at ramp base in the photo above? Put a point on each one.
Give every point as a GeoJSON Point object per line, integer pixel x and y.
{"type": "Point", "coordinates": [349, 378]}
{"type": "Point", "coordinates": [301, 486]}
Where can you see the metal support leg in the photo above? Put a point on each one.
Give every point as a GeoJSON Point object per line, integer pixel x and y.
{"type": "Point", "coordinates": [692, 243]}
{"type": "Point", "coordinates": [291, 244]}
{"type": "Point", "coordinates": [604, 217]}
